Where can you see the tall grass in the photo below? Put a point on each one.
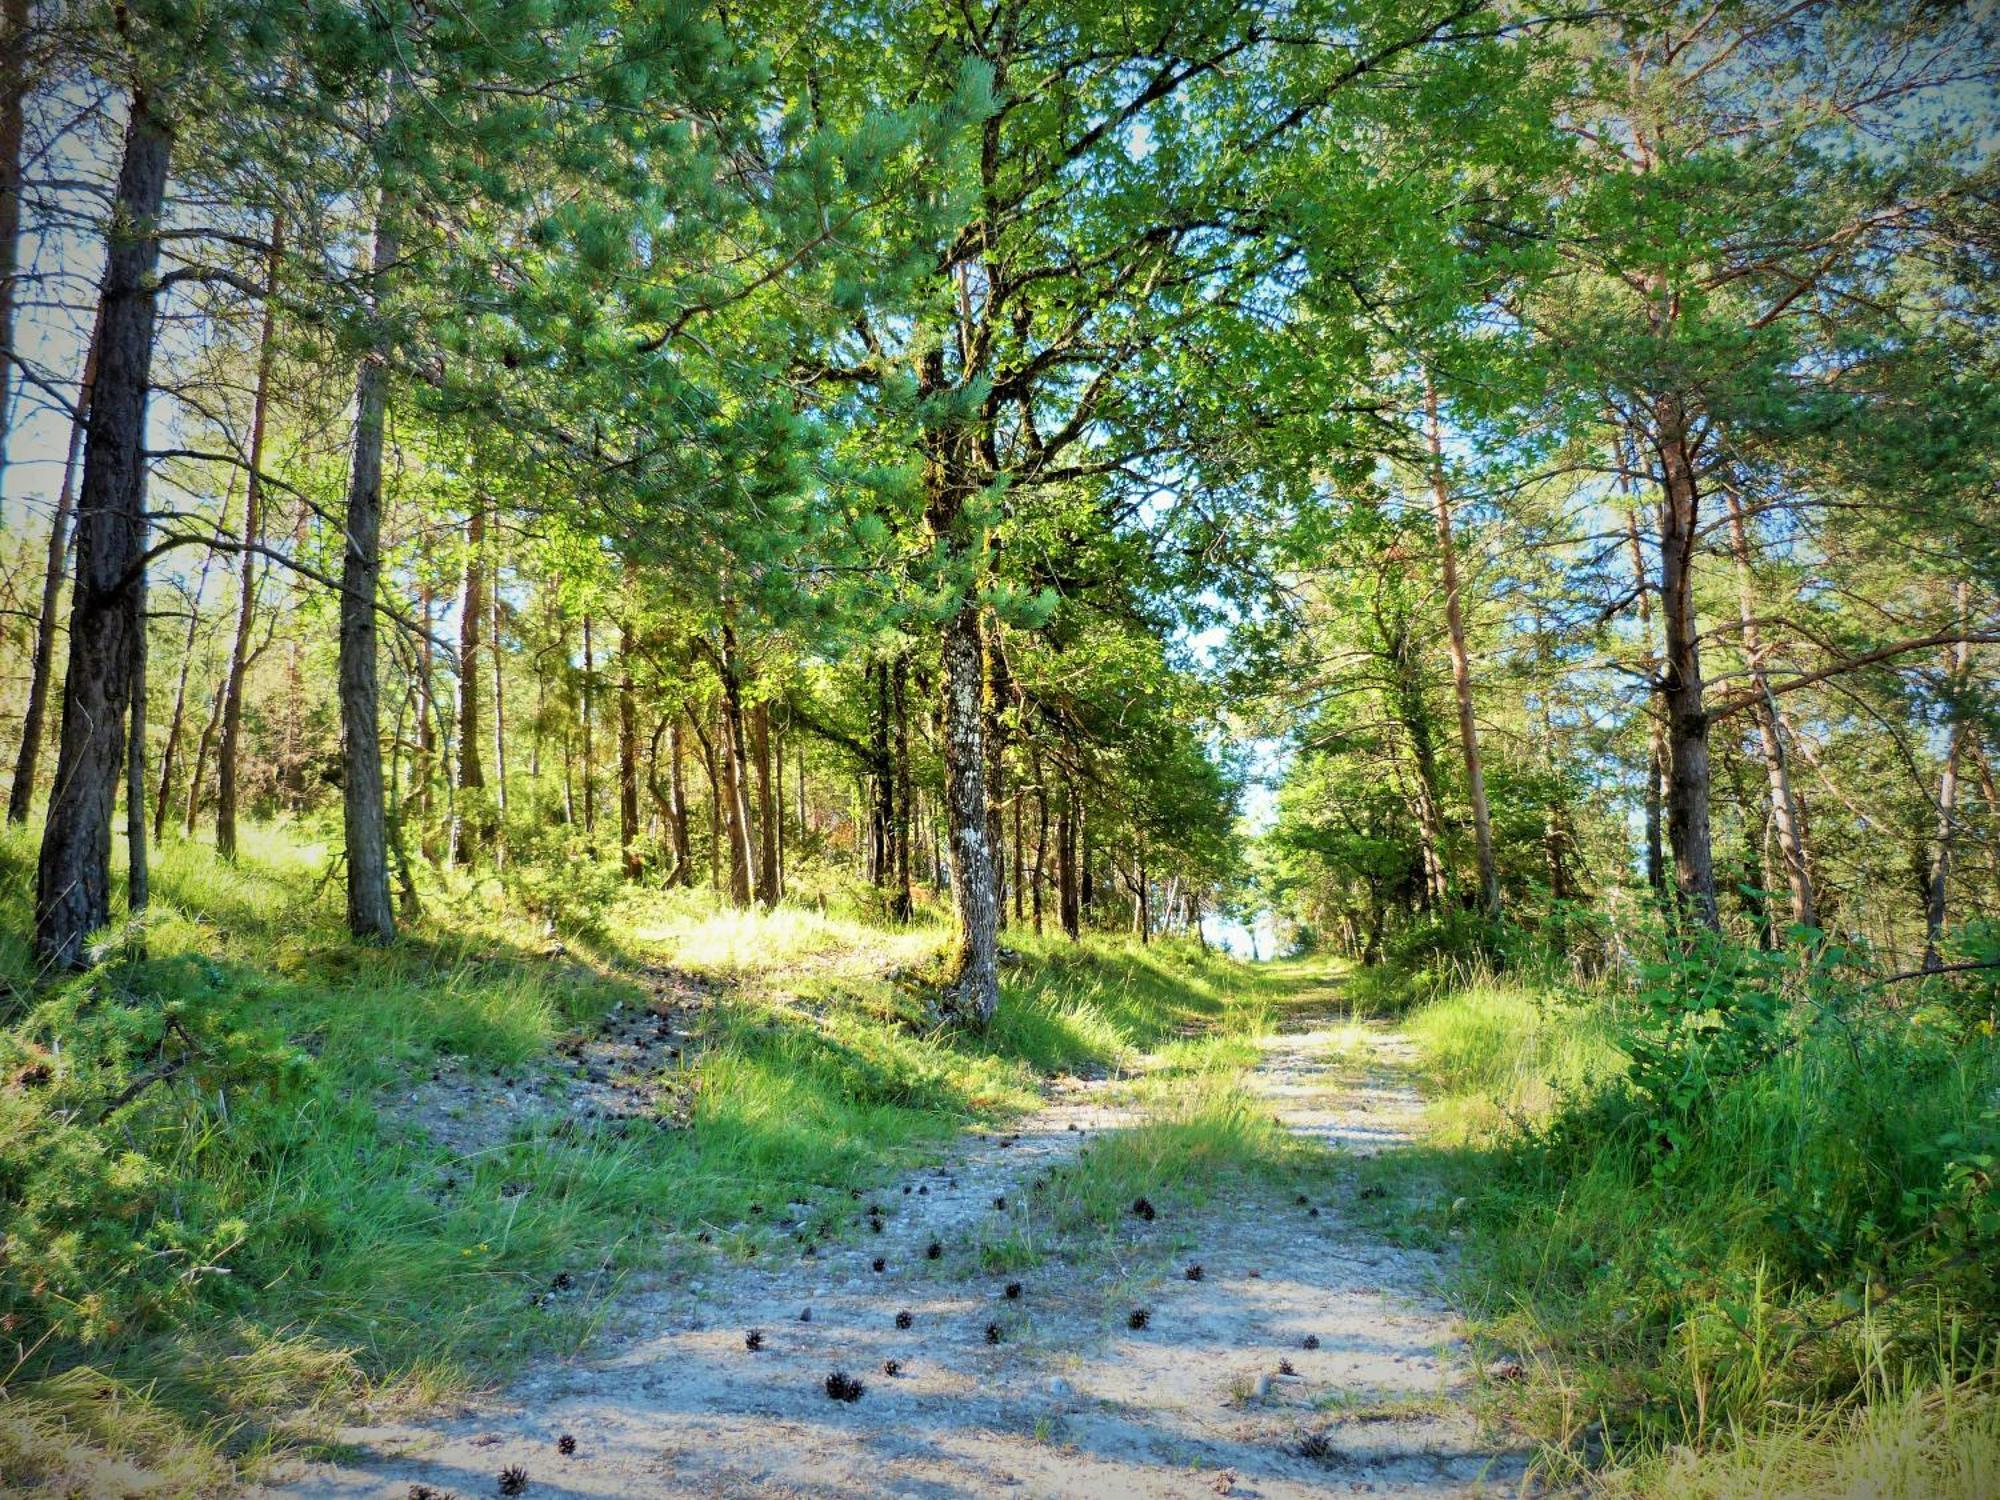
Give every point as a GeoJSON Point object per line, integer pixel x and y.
{"type": "Point", "coordinates": [1801, 1278]}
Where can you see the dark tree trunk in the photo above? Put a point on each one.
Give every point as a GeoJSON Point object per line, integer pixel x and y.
{"type": "Point", "coordinates": [1069, 903]}
{"type": "Point", "coordinates": [22, 793]}
{"type": "Point", "coordinates": [138, 869]}
{"type": "Point", "coordinates": [467, 831]}
{"type": "Point", "coordinates": [364, 818]}
{"type": "Point", "coordinates": [1041, 839]}
{"type": "Point", "coordinates": [734, 754]}
{"type": "Point", "coordinates": [73, 878]}
{"type": "Point", "coordinates": [881, 777]}
{"type": "Point", "coordinates": [229, 757]}
{"type": "Point", "coordinates": [683, 862]}
{"type": "Point", "coordinates": [1680, 684]}
{"type": "Point", "coordinates": [498, 825]}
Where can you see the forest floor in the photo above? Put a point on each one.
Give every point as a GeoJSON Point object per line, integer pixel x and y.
{"type": "Point", "coordinates": [1285, 1349]}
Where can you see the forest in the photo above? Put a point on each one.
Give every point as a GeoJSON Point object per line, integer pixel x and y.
{"type": "Point", "coordinates": [1344, 653]}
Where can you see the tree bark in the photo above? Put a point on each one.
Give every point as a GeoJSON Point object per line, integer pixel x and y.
{"type": "Point", "coordinates": [1680, 686]}
{"type": "Point", "coordinates": [14, 79]}
{"type": "Point", "coordinates": [1787, 817]}
{"type": "Point", "coordinates": [734, 755]}
{"type": "Point", "coordinates": [467, 830]}
{"type": "Point", "coordinates": [1069, 904]}
{"type": "Point", "coordinates": [22, 793]}
{"type": "Point", "coordinates": [73, 876]}
{"type": "Point", "coordinates": [138, 867]}
{"type": "Point", "coordinates": [1656, 766]}
{"type": "Point", "coordinates": [770, 886]}
{"type": "Point", "coordinates": [676, 809]}
{"type": "Point", "coordinates": [370, 915]}
{"type": "Point", "coordinates": [1461, 665]}
{"type": "Point", "coordinates": [975, 987]}
{"type": "Point", "coordinates": [230, 754]}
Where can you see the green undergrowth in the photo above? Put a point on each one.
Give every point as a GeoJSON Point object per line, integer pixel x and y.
{"type": "Point", "coordinates": [225, 1220]}
{"type": "Point", "coordinates": [1739, 1228]}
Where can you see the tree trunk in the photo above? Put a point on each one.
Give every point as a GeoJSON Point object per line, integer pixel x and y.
{"type": "Point", "coordinates": [975, 986]}
{"type": "Point", "coordinates": [73, 877]}
{"type": "Point", "coordinates": [683, 861]}
{"type": "Point", "coordinates": [13, 97]}
{"type": "Point", "coordinates": [230, 754]}
{"type": "Point", "coordinates": [1680, 685]}
{"type": "Point", "coordinates": [1069, 905]}
{"type": "Point", "coordinates": [138, 869]}
{"type": "Point", "coordinates": [1656, 766]}
{"type": "Point", "coordinates": [467, 832]}
{"type": "Point", "coordinates": [1041, 838]}
{"type": "Point", "coordinates": [1787, 818]}
{"type": "Point", "coordinates": [1461, 665]}
{"type": "Point", "coordinates": [22, 793]}
{"type": "Point", "coordinates": [170, 751]}
{"type": "Point", "coordinates": [196, 772]}
{"type": "Point", "coordinates": [734, 753]}
{"type": "Point", "coordinates": [628, 758]}
{"type": "Point", "coordinates": [1938, 887]}
{"type": "Point", "coordinates": [999, 693]}
{"type": "Point", "coordinates": [364, 820]}
{"type": "Point", "coordinates": [769, 882]}
{"type": "Point", "coordinates": [903, 905]}
{"type": "Point", "coordinates": [589, 728]}
{"type": "Point", "coordinates": [498, 658]}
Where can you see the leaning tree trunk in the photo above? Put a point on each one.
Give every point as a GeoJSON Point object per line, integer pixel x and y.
{"type": "Point", "coordinates": [370, 914]}
{"type": "Point", "coordinates": [1680, 685]}
{"type": "Point", "coordinates": [229, 756]}
{"type": "Point", "coordinates": [1787, 819]}
{"type": "Point", "coordinates": [22, 792]}
{"type": "Point", "coordinates": [1461, 666]}
{"type": "Point", "coordinates": [73, 877]}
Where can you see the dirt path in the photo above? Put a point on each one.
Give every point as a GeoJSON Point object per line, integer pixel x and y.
{"type": "Point", "coordinates": [1071, 1401]}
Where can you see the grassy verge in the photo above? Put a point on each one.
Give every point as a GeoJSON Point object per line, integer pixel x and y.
{"type": "Point", "coordinates": [1783, 1288]}
{"type": "Point", "coordinates": [226, 1218]}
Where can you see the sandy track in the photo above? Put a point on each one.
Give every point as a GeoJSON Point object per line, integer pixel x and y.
{"type": "Point", "coordinates": [1071, 1401]}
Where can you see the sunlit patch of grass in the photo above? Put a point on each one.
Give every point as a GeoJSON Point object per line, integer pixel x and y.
{"type": "Point", "coordinates": [1913, 1440]}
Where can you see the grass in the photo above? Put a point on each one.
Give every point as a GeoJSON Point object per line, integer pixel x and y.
{"type": "Point", "coordinates": [260, 1234]}
{"type": "Point", "coordinates": [1795, 1297]}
